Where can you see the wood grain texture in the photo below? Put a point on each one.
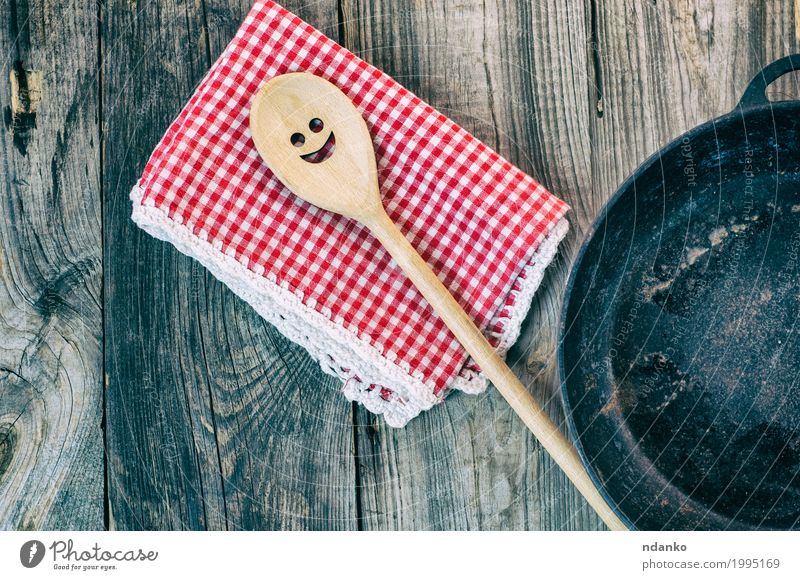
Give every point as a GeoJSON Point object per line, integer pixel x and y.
{"type": "Point", "coordinates": [51, 443]}
{"type": "Point", "coordinates": [215, 421]}
{"type": "Point", "coordinates": [669, 66]}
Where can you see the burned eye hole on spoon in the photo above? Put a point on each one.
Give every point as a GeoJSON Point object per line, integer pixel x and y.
{"type": "Point", "coordinates": [316, 125]}
{"type": "Point", "coordinates": [297, 139]}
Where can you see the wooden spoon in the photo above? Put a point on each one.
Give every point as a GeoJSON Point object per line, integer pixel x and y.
{"type": "Point", "coordinates": [316, 142]}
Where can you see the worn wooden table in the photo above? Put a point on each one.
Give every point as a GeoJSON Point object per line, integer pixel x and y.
{"type": "Point", "coordinates": [136, 392]}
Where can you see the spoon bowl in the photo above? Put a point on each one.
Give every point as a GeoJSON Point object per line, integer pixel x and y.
{"type": "Point", "coordinates": [294, 119]}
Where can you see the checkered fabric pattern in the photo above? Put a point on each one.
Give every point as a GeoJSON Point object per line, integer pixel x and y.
{"type": "Point", "coordinates": [477, 220]}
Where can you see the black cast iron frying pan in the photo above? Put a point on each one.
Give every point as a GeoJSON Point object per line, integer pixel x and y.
{"type": "Point", "coordinates": [679, 354]}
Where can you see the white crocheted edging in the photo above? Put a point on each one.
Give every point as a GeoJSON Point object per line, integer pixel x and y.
{"type": "Point", "coordinates": [339, 351]}
{"type": "Point", "coordinates": [473, 383]}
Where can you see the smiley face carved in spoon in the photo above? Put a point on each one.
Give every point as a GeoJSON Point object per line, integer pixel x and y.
{"type": "Point", "coordinates": [317, 143]}
{"type": "Point", "coordinates": [317, 155]}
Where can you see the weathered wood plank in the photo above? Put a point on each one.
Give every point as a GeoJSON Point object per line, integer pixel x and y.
{"type": "Point", "coordinates": [214, 420]}
{"type": "Point", "coordinates": [514, 74]}
{"type": "Point", "coordinates": [669, 66]}
{"type": "Point", "coordinates": [51, 442]}
{"type": "Point", "coordinates": [782, 37]}
{"type": "Point", "coordinates": [298, 472]}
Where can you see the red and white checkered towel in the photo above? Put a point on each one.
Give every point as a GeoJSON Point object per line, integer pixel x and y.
{"type": "Point", "coordinates": [487, 229]}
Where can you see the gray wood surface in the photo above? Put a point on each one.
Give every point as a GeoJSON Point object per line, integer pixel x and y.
{"type": "Point", "coordinates": [51, 397]}
{"type": "Point", "coordinates": [215, 421]}
{"type": "Point", "coordinates": [112, 341]}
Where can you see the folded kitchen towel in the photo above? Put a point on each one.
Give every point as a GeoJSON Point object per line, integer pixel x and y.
{"type": "Point", "coordinates": [487, 229]}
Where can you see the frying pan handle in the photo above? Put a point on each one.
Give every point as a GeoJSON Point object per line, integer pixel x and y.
{"type": "Point", "coordinates": [755, 93]}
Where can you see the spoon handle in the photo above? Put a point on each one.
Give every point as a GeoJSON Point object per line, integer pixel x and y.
{"type": "Point", "coordinates": [495, 369]}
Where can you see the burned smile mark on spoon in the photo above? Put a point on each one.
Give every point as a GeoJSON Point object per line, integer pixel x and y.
{"type": "Point", "coordinates": [323, 152]}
